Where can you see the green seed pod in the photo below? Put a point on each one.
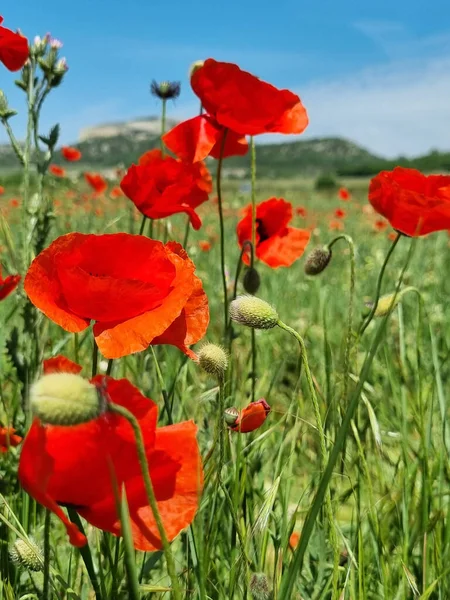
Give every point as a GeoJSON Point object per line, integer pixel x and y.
{"type": "Point", "coordinates": [317, 260]}
{"type": "Point", "coordinates": [253, 312]}
{"type": "Point", "coordinates": [259, 587]}
{"type": "Point", "coordinates": [213, 359]}
{"type": "Point", "coordinates": [231, 415]}
{"type": "Point", "coordinates": [27, 554]}
{"type": "Point", "coordinates": [65, 399]}
{"type": "Point", "coordinates": [252, 281]}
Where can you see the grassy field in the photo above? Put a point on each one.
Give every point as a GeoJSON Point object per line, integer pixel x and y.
{"type": "Point", "coordinates": [389, 491]}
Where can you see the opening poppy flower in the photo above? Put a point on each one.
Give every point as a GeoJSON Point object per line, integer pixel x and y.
{"type": "Point", "coordinates": [161, 186]}
{"type": "Point", "coordinates": [195, 139]}
{"type": "Point", "coordinates": [79, 466]}
{"type": "Point", "coordinates": [251, 417]}
{"type": "Point", "coordinates": [137, 290]}
{"type": "Point", "coordinates": [13, 48]}
{"type": "Point", "coordinates": [344, 194]}
{"type": "Point", "coordinates": [236, 102]}
{"type": "Point", "coordinates": [245, 104]}
{"type": "Point", "coordinates": [277, 245]}
{"type": "Point", "coordinates": [57, 171]}
{"type": "Point", "coordinates": [8, 284]}
{"type": "Point", "coordinates": [413, 203]}
{"type": "Point", "coordinates": [8, 438]}
{"type": "Point", "coordinates": [70, 154]}
{"type": "Point", "coordinates": [97, 182]}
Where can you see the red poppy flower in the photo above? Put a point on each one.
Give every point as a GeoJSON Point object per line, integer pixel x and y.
{"type": "Point", "coordinates": [301, 211]}
{"type": "Point", "coordinates": [251, 417]}
{"type": "Point", "coordinates": [195, 139]}
{"type": "Point", "coordinates": [413, 203]}
{"type": "Point", "coordinates": [79, 466]}
{"type": "Point", "coordinates": [277, 245]}
{"type": "Point", "coordinates": [294, 540]}
{"type": "Point", "coordinates": [57, 171]}
{"type": "Point", "coordinates": [339, 213]}
{"type": "Point", "coordinates": [137, 290]}
{"type": "Point", "coordinates": [244, 104]}
{"type": "Point", "coordinates": [8, 284]}
{"type": "Point", "coordinates": [161, 186]}
{"type": "Point", "coordinates": [14, 202]}
{"type": "Point", "coordinates": [344, 194]}
{"type": "Point", "coordinates": [2, 190]}
{"type": "Point", "coordinates": [61, 364]}
{"type": "Point", "coordinates": [336, 225]}
{"type": "Point", "coordinates": [380, 225]}
{"type": "Point", "coordinates": [116, 192]}
{"type": "Point", "coordinates": [8, 438]}
{"type": "Point", "coordinates": [97, 182]}
{"type": "Point", "coordinates": [13, 49]}
{"type": "Point", "coordinates": [70, 154]}
{"type": "Point", "coordinates": [204, 245]}
{"type": "Point", "coordinates": [392, 236]}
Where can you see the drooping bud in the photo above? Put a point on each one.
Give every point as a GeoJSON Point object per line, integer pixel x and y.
{"type": "Point", "coordinates": [252, 280]}
{"type": "Point", "coordinates": [213, 359]}
{"type": "Point", "coordinates": [388, 302]}
{"type": "Point", "coordinates": [259, 586]}
{"type": "Point", "coordinates": [253, 312]}
{"type": "Point", "coordinates": [27, 554]}
{"type": "Point", "coordinates": [317, 260]}
{"type": "Point", "coordinates": [165, 89]}
{"type": "Point", "coordinates": [198, 64]}
{"type": "Point", "coordinates": [66, 399]}
{"type": "Point", "coordinates": [231, 415]}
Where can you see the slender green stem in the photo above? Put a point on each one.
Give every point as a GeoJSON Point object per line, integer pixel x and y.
{"type": "Point", "coordinates": [186, 233]}
{"type": "Point", "coordinates": [86, 555]}
{"type": "Point", "coordinates": [110, 366]}
{"type": "Point", "coordinates": [46, 585]}
{"type": "Point", "coordinates": [323, 449]}
{"type": "Point", "coordinates": [76, 348]}
{"type": "Point", "coordinates": [14, 143]}
{"type": "Point", "coordinates": [163, 122]}
{"type": "Point", "coordinates": [94, 359]}
{"type": "Point", "coordinates": [370, 316]}
{"type": "Point", "coordinates": [162, 385]}
{"type": "Point", "coordinates": [143, 222]}
{"type": "Point", "coordinates": [295, 567]}
{"type": "Point", "coordinates": [220, 430]}
{"type": "Point", "coordinates": [171, 569]}
{"type": "Point", "coordinates": [253, 188]}
{"type": "Point", "coordinates": [222, 230]}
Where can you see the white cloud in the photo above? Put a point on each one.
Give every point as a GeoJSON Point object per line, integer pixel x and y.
{"type": "Point", "coordinates": [403, 108]}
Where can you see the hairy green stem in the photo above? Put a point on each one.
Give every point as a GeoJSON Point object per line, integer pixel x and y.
{"type": "Point", "coordinates": [370, 316]}
{"type": "Point", "coordinates": [222, 230]}
{"type": "Point", "coordinates": [140, 448]}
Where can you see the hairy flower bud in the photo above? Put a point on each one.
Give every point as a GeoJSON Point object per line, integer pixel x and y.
{"type": "Point", "coordinates": [213, 359]}
{"type": "Point", "coordinates": [252, 280]}
{"type": "Point", "coordinates": [253, 312]}
{"type": "Point", "coordinates": [27, 554]}
{"type": "Point", "coordinates": [198, 64]}
{"type": "Point", "coordinates": [231, 415]}
{"type": "Point", "coordinates": [259, 586]}
{"type": "Point", "coordinates": [388, 302]}
{"type": "Point", "coordinates": [317, 260]}
{"type": "Point", "coordinates": [66, 399]}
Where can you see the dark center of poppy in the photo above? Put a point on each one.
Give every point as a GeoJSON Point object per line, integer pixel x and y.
{"type": "Point", "coordinates": [262, 231]}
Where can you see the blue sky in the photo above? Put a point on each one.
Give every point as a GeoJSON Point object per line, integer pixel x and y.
{"type": "Point", "coordinates": [375, 72]}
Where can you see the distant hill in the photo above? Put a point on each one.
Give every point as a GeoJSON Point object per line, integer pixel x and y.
{"type": "Point", "coordinates": [120, 144]}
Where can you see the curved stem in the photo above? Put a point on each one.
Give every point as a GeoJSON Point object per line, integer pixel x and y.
{"type": "Point", "coordinates": [163, 387]}
{"type": "Point", "coordinates": [46, 585]}
{"type": "Point", "coordinates": [295, 567]}
{"type": "Point", "coordinates": [171, 569]}
{"type": "Point", "coordinates": [222, 230]}
{"type": "Point", "coordinates": [370, 316]}
{"type": "Point", "coordinates": [323, 448]}
{"type": "Point", "coordinates": [141, 230]}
